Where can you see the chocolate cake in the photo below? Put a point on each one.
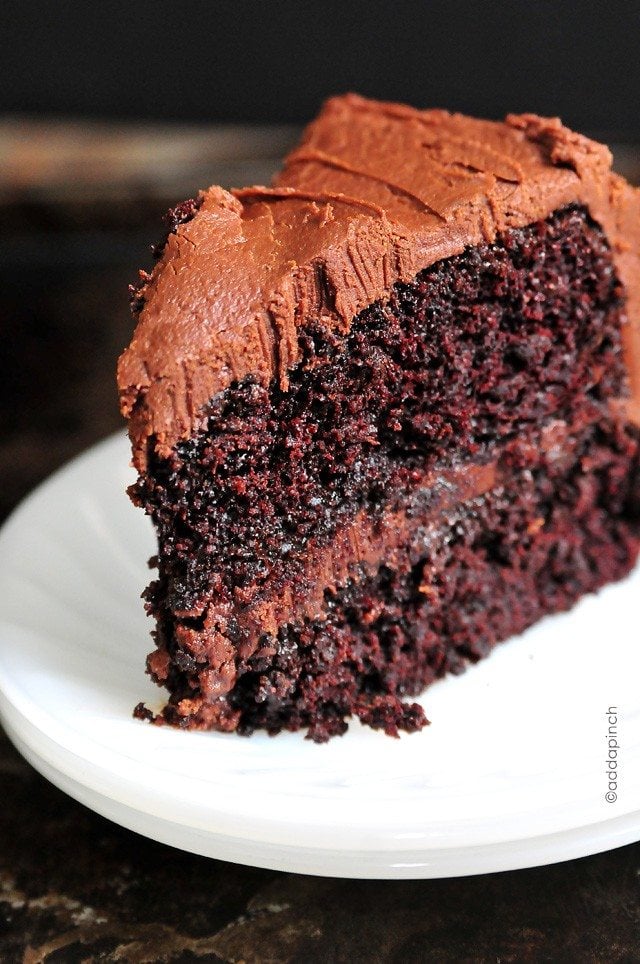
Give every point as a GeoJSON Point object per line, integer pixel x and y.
{"type": "Point", "coordinates": [385, 413]}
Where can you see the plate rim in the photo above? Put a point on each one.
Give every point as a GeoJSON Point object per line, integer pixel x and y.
{"type": "Point", "coordinates": [16, 721]}
{"type": "Point", "coordinates": [363, 864]}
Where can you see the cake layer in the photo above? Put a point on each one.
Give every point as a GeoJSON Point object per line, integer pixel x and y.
{"type": "Point", "coordinates": [562, 520]}
{"type": "Point", "coordinates": [272, 494]}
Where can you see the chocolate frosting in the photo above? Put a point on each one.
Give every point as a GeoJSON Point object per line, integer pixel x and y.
{"type": "Point", "coordinates": [374, 193]}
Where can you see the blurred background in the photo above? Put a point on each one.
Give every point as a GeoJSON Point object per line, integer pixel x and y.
{"type": "Point", "coordinates": [112, 112]}
{"type": "Point", "coordinates": [232, 60]}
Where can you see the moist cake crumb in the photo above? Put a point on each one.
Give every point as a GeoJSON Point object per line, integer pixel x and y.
{"type": "Point", "coordinates": [384, 414]}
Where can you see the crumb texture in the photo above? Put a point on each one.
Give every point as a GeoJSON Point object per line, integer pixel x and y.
{"type": "Point", "coordinates": [480, 346]}
{"type": "Point", "coordinates": [462, 367]}
{"type": "Point", "coordinates": [480, 573]}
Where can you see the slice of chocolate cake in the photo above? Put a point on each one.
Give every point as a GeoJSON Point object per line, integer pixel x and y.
{"type": "Point", "coordinates": [384, 413]}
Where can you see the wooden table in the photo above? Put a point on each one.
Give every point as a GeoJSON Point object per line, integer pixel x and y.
{"type": "Point", "coordinates": [74, 887]}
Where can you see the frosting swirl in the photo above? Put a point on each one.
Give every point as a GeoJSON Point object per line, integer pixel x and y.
{"type": "Point", "coordinates": [374, 193]}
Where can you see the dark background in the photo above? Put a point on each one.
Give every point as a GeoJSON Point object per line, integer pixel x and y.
{"type": "Point", "coordinates": [275, 61]}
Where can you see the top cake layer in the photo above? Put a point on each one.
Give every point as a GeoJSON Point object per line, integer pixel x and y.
{"type": "Point", "coordinates": [375, 193]}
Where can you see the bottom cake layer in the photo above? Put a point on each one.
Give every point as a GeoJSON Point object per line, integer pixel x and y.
{"type": "Point", "coordinates": [470, 577]}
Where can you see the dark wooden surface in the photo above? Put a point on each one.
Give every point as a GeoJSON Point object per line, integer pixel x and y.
{"type": "Point", "coordinates": [74, 887]}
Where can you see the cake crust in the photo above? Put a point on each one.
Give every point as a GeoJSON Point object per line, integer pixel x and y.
{"type": "Point", "coordinates": [237, 281]}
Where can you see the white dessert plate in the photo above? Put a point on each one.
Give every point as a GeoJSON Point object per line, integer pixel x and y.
{"type": "Point", "coordinates": [511, 773]}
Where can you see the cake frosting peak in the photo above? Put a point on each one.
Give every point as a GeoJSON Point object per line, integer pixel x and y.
{"type": "Point", "coordinates": [374, 193]}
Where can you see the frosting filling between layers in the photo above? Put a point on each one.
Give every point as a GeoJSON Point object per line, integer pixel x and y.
{"type": "Point", "coordinates": [358, 546]}
{"type": "Point", "coordinates": [560, 517]}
